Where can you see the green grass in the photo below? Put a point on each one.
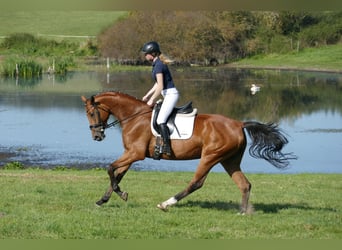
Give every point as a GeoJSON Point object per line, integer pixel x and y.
{"type": "Point", "coordinates": [46, 204]}
{"type": "Point", "coordinates": [324, 58]}
{"type": "Point", "coordinates": [69, 23]}
{"type": "Point", "coordinates": [66, 36]}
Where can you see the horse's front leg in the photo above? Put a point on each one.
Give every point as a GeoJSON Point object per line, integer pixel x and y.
{"type": "Point", "coordinates": [105, 198]}
{"type": "Point", "coordinates": [116, 175]}
{"type": "Point", "coordinates": [116, 172]}
{"type": "Point", "coordinates": [115, 179]}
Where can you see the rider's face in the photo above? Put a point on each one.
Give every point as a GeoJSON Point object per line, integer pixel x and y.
{"type": "Point", "coordinates": [149, 57]}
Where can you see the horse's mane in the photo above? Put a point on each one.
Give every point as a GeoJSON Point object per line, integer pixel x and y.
{"type": "Point", "coordinates": [118, 93]}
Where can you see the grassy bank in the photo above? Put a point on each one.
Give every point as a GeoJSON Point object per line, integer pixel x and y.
{"type": "Point", "coordinates": [60, 25]}
{"type": "Point", "coordinates": [58, 40]}
{"type": "Point", "coordinates": [328, 58]}
{"type": "Point", "coordinates": [46, 204]}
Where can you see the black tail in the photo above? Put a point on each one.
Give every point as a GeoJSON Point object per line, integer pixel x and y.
{"type": "Point", "coordinates": [267, 143]}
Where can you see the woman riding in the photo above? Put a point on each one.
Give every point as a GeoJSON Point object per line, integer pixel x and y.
{"type": "Point", "coordinates": [163, 86]}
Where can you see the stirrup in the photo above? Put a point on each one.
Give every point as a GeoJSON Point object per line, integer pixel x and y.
{"type": "Point", "coordinates": [167, 149]}
{"type": "Point", "coordinates": [158, 148]}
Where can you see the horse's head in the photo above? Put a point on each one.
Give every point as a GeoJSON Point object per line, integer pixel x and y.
{"type": "Point", "coordinates": [97, 115]}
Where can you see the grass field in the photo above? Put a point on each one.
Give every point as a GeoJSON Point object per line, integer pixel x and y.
{"type": "Point", "coordinates": [328, 58]}
{"type": "Point", "coordinates": [66, 23]}
{"type": "Point", "coordinates": [47, 204]}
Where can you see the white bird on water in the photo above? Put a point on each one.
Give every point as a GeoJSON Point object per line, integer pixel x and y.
{"type": "Point", "coordinates": [254, 89]}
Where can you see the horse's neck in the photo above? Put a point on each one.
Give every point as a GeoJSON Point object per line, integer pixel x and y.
{"type": "Point", "coordinates": [122, 107]}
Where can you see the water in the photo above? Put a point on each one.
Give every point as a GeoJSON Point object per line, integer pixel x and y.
{"type": "Point", "coordinates": [43, 123]}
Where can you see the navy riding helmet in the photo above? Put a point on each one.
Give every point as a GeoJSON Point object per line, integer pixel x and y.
{"type": "Point", "coordinates": [151, 48]}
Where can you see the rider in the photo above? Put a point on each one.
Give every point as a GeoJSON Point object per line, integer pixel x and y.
{"type": "Point", "coordinates": [163, 85]}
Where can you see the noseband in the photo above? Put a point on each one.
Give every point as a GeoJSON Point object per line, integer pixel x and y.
{"type": "Point", "coordinates": [101, 124]}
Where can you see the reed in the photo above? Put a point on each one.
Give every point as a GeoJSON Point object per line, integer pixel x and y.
{"type": "Point", "coordinates": [21, 67]}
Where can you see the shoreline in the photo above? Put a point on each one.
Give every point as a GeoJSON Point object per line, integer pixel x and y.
{"type": "Point", "coordinates": [285, 68]}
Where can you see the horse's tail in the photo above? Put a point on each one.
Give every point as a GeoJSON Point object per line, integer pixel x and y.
{"type": "Point", "coordinates": [267, 143]}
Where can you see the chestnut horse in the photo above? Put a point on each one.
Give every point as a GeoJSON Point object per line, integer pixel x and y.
{"type": "Point", "coordinates": [216, 139]}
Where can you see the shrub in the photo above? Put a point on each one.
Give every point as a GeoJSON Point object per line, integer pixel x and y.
{"type": "Point", "coordinates": [21, 41]}
{"type": "Point", "coordinates": [62, 64]}
{"type": "Point", "coordinates": [27, 44]}
{"type": "Point", "coordinates": [14, 166]}
{"type": "Point", "coordinates": [322, 34]}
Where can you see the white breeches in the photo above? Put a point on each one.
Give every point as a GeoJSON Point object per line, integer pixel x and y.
{"type": "Point", "coordinates": [170, 99]}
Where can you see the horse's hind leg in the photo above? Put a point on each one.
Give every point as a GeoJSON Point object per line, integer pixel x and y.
{"type": "Point", "coordinates": [193, 186]}
{"type": "Point", "coordinates": [232, 166]}
{"type": "Point", "coordinates": [196, 183]}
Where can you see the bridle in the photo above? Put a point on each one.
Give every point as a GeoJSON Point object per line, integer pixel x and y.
{"type": "Point", "coordinates": [104, 125]}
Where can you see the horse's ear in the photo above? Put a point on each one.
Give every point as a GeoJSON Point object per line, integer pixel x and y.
{"type": "Point", "coordinates": [92, 100]}
{"type": "Point", "coordinates": [84, 99]}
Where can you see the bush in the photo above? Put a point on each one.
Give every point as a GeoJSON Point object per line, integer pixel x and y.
{"type": "Point", "coordinates": [21, 41]}
{"type": "Point", "coordinates": [62, 64]}
{"type": "Point", "coordinates": [322, 34]}
{"type": "Point", "coordinates": [14, 166]}
{"type": "Point", "coordinates": [27, 44]}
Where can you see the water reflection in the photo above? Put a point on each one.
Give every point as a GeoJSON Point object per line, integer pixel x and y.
{"type": "Point", "coordinates": [43, 122]}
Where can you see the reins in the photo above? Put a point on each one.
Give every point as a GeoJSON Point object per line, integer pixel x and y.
{"type": "Point", "coordinates": [116, 122]}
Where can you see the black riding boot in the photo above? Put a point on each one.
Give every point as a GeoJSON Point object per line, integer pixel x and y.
{"type": "Point", "coordinates": [165, 133]}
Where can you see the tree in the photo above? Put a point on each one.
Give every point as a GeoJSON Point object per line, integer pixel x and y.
{"type": "Point", "coordinates": [201, 36]}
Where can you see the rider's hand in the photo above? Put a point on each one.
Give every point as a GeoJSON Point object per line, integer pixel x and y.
{"type": "Point", "coordinates": [150, 103]}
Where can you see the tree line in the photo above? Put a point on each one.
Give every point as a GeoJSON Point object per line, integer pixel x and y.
{"type": "Point", "coordinates": [206, 37]}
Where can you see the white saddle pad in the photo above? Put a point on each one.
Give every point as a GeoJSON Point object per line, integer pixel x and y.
{"type": "Point", "coordinates": [184, 126]}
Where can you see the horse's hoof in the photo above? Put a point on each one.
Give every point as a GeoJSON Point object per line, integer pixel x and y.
{"type": "Point", "coordinates": [124, 196]}
{"type": "Point", "coordinates": [104, 199]}
{"type": "Point", "coordinates": [161, 207]}
{"type": "Point", "coordinates": [99, 203]}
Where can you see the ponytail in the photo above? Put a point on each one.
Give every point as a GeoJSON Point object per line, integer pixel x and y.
{"type": "Point", "coordinates": [165, 59]}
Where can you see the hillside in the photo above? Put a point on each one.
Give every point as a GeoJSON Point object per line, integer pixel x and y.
{"type": "Point", "coordinates": [61, 23]}
{"type": "Point", "coordinates": [208, 37]}
{"type": "Point", "coordinates": [298, 40]}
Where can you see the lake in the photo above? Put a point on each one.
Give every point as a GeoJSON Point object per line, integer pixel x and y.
{"type": "Point", "coordinates": [43, 122]}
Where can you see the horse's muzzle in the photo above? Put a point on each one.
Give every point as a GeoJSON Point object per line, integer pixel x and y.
{"type": "Point", "coordinates": [98, 135]}
{"type": "Point", "coordinates": [97, 131]}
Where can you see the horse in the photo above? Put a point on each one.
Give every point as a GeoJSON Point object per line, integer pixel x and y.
{"type": "Point", "coordinates": [215, 139]}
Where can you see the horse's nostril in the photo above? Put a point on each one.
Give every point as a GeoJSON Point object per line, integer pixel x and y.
{"type": "Point", "coordinates": [99, 138]}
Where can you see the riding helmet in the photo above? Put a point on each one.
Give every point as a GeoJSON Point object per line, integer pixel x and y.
{"type": "Point", "coordinates": [151, 48]}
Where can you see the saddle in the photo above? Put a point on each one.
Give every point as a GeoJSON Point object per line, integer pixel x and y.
{"type": "Point", "coordinates": [180, 121]}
